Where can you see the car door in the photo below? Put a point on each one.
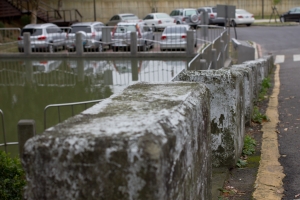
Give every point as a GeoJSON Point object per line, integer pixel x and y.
{"type": "Point", "coordinates": [294, 15]}
{"type": "Point", "coordinates": [114, 20]}
{"type": "Point", "coordinates": [55, 35]}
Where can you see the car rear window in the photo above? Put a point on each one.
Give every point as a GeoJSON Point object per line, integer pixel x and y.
{"type": "Point", "coordinates": [190, 12]}
{"type": "Point", "coordinates": [32, 31]}
{"type": "Point", "coordinates": [123, 29]}
{"type": "Point", "coordinates": [161, 16]}
{"type": "Point", "coordinates": [86, 29]}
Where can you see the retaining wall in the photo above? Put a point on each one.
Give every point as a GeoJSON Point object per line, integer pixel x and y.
{"type": "Point", "coordinates": [150, 142]}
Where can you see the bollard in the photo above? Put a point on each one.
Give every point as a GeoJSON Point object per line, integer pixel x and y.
{"type": "Point", "coordinates": [190, 42]}
{"type": "Point", "coordinates": [27, 43]}
{"type": "Point", "coordinates": [26, 130]}
{"type": "Point", "coordinates": [79, 43]}
{"type": "Point", "coordinates": [214, 59]}
{"type": "Point", "coordinates": [222, 57]}
{"type": "Point", "coordinates": [133, 43]}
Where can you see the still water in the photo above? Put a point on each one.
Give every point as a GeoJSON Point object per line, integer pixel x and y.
{"type": "Point", "coordinates": [27, 87]}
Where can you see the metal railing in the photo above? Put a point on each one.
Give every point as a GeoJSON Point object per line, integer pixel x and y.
{"type": "Point", "coordinates": [9, 39]}
{"type": "Point", "coordinates": [214, 51]}
{"type": "Point", "coordinates": [5, 144]}
{"type": "Point", "coordinates": [66, 104]}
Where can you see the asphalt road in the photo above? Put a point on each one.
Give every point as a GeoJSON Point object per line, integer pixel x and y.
{"type": "Point", "coordinates": [283, 43]}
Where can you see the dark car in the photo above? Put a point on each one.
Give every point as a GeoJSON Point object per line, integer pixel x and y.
{"type": "Point", "coordinates": [212, 15]}
{"type": "Point", "coordinates": [293, 15]}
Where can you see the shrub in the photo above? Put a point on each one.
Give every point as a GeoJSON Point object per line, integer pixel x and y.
{"type": "Point", "coordinates": [25, 19]}
{"type": "Point", "coordinates": [12, 178]}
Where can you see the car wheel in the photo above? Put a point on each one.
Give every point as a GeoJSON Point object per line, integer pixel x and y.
{"type": "Point", "coordinates": [115, 49]}
{"type": "Point", "coordinates": [248, 24]}
{"type": "Point", "coordinates": [194, 18]}
{"type": "Point", "coordinates": [232, 23]}
{"type": "Point", "coordinates": [178, 22]}
{"type": "Point", "coordinates": [21, 49]}
{"type": "Point", "coordinates": [282, 19]}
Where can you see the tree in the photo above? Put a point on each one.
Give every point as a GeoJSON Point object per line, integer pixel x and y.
{"type": "Point", "coordinates": [34, 5]}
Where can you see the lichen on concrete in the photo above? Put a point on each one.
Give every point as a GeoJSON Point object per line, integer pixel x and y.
{"type": "Point", "coordinates": [152, 141]}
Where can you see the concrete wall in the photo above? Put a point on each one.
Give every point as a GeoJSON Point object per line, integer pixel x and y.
{"type": "Point", "coordinates": [105, 9]}
{"type": "Point", "coordinates": [233, 91]}
{"type": "Point", "coordinates": [150, 142]}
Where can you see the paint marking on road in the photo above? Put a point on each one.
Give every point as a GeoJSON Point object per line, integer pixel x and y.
{"type": "Point", "coordinates": [279, 59]}
{"type": "Point", "coordinates": [296, 57]}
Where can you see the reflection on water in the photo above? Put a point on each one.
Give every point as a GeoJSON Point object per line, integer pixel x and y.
{"type": "Point", "coordinates": [27, 87]}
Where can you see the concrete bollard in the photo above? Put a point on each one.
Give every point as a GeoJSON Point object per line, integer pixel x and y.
{"type": "Point", "coordinates": [79, 43]}
{"type": "Point", "coordinates": [223, 54]}
{"type": "Point", "coordinates": [27, 43]}
{"type": "Point", "coordinates": [133, 43]}
{"type": "Point", "coordinates": [190, 42]}
{"type": "Point", "coordinates": [26, 130]}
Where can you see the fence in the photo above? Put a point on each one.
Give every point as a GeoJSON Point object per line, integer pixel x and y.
{"type": "Point", "coordinates": [8, 39]}
{"type": "Point", "coordinates": [111, 40]}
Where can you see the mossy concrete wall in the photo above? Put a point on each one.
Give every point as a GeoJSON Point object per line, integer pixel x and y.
{"type": "Point", "coordinates": [105, 9]}
{"type": "Point", "coordinates": [152, 141]}
{"type": "Point", "coordinates": [233, 91]}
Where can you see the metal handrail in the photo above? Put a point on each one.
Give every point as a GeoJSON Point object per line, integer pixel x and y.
{"type": "Point", "coordinates": [66, 104]}
{"type": "Point", "coordinates": [5, 144]}
{"type": "Point", "coordinates": [208, 42]}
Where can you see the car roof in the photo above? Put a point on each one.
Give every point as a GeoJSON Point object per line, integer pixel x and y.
{"type": "Point", "coordinates": [122, 14]}
{"type": "Point", "coordinates": [39, 25]}
{"type": "Point", "coordinates": [86, 23]}
{"type": "Point", "coordinates": [130, 23]}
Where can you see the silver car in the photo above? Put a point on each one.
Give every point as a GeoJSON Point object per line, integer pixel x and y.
{"type": "Point", "coordinates": [121, 36]}
{"type": "Point", "coordinates": [91, 35]}
{"type": "Point", "coordinates": [189, 16]}
{"type": "Point", "coordinates": [174, 38]}
{"type": "Point", "coordinates": [123, 17]}
{"type": "Point", "coordinates": [43, 37]}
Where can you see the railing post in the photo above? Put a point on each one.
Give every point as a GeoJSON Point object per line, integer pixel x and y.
{"type": "Point", "coordinates": [214, 59]}
{"type": "Point", "coordinates": [222, 57]}
{"type": "Point", "coordinates": [26, 130]}
{"type": "Point", "coordinates": [27, 43]}
{"type": "Point", "coordinates": [79, 44]}
{"type": "Point", "coordinates": [190, 42]}
{"type": "Point", "coordinates": [133, 43]}
{"type": "Point", "coordinates": [203, 64]}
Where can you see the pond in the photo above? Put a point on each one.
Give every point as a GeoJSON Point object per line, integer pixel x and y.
{"type": "Point", "coordinates": [28, 86]}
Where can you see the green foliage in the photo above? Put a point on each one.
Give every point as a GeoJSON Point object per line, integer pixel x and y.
{"type": "Point", "coordinates": [257, 116]}
{"type": "Point", "coordinates": [2, 25]}
{"type": "Point", "coordinates": [25, 19]}
{"type": "Point", "coordinates": [276, 2]}
{"type": "Point", "coordinates": [249, 145]}
{"type": "Point", "coordinates": [265, 85]}
{"type": "Point", "coordinates": [241, 163]}
{"type": "Point", "coordinates": [12, 178]}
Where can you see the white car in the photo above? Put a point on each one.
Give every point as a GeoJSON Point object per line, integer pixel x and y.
{"type": "Point", "coordinates": [121, 36]}
{"type": "Point", "coordinates": [158, 21]}
{"type": "Point", "coordinates": [174, 37]}
{"type": "Point", "coordinates": [242, 17]}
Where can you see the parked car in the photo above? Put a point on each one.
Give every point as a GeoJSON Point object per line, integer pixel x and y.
{"type": "Point", "coordinates": [92, 36]}
{"type": "Point", "coordinates": [293, 15]}
{"type": "Point", "coordinates": [212, 15]}
{"type": "Point", "coordinates": [121, 36]}
{"type": "Point", "coordinates": [174, 37]}
{"type": "Point", "coordinates": [124, 17]}
{"type": "Point", "coordinates": [188, 16]}
{"type": "Point", "coordinates": [158, 21]}
{"type": "Point", "coordinates": [43, 37]}
{"type": "Point", "coordinates": [242, 17]}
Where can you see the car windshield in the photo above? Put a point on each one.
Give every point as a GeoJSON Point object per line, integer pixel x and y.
{"type": "Point", "coordinates": [161, 16]}
{"type": "Point", "coordinates": [86, 29]}
{"type": "Point", "coordinates": [130, 17]}
{"type": "Point", "coordinates": [174, 30]}
{"type": "Point", "coordinates": [123, 29]}
{"type": "Point", "coordinates": [32, 31]}
{"type": "Point", "coordinates": [190, 12]}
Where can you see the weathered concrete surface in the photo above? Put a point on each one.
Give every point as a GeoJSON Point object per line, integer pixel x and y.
{"type": "Point", "coordinates": [150, 142]}
{"type": "Point", "coordinates": [227, 112]}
